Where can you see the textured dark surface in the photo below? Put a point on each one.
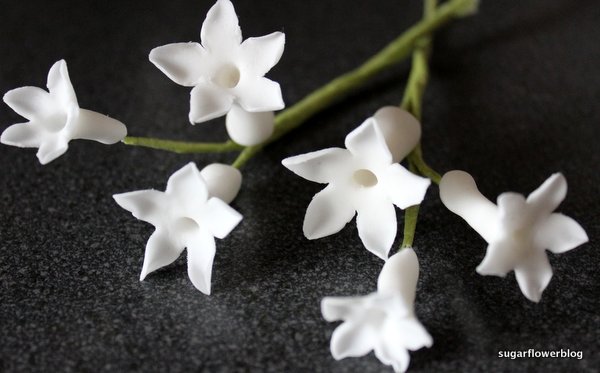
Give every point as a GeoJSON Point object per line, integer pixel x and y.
{"type": "Point", "coordinates": [513, 97]}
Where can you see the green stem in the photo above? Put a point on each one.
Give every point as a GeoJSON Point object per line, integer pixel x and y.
{"type": "Point", "coordinates": [411, 215]}
{"type": "Point", "coordinates": [412, 102]}
{"type": "Point", "coordinates": [182, 146]}
{"type": "Point", "coordinates": [416, 158]}
{"type": "Point", "coordinates": [392, 54]}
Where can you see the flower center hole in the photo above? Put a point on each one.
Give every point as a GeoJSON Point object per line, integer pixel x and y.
{"type": "Point", "coordinates": [185, 226]}
{"type": "Point", "coordinates": [228, 76]}
{"type": "Point", "coordinates": [365, 178]}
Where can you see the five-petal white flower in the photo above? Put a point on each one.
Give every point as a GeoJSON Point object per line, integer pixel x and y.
{"type": "Point", "coordinates": [227, 74]}
{"type": "Point", "coordinates": [55, 118]}
{"type": "Point", "coordinates": [383, 321]}
{"type": "Point", "coordinates": [364, 178]}
{"type": "Point", "coordinates": [186, 215]}
{"type": "Point", "coordinates": [517, 230]}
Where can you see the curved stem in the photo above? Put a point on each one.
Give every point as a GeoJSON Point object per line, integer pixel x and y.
{"type": "Point", "coordinates": [182, 146]}
{"type": "Point", "coordinates": [392, 54]}
{"type": "Point", "coordinates": [416, 158]}
{"type": "Point", "coordinates": [412, 102]}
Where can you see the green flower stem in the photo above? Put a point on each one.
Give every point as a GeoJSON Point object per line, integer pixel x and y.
{"type": "Point", "coordinates": [182, 146]}
{"type": "Point", "coordinates": [412, 102]}
{"type": "Point", "coordinates": [392, 54]}
{"type": "Point", "coordinates": [411, 215]}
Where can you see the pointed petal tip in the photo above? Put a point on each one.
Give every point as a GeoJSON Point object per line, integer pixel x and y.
{"type": "Point", "coordinates": [484, 271]}
{"type": "Point", "coordinates": [326, 214]}
{"type": "Point", "coordinates": [536, 298]}
{"type": "Point", "coordinates": [203, 288]}
{"type": "Point", "coordinates": [220, 28]}
{"type": "Point", "coordinates": [121, 199]}
{"type": "Point", "coordinates": [311, 233]}
{"type": "Point", "coordinates": [325, 309]}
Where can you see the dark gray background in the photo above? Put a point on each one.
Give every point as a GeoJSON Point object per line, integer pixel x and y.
{"type": "Point", "coordinates": [513, 98]}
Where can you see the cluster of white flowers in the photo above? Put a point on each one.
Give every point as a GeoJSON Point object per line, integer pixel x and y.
{"type": "Point", "coordinates": [228, 79]}
{"type": "Point", "coordinates": [364, 179]}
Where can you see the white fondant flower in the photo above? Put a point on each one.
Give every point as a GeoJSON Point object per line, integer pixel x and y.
{"type": "Point", "coordinates": [226, 73]}
{"type": "Point", "coordinates": [364, 178]}
{"type": "Point", "coordinates": [384, 321]}
{"type": "Point", "coordinates": [186, 215]}
{"type": "Point", "coordinates": [54, 118]}
{"type": "Point", "coordinates": [517, 230]}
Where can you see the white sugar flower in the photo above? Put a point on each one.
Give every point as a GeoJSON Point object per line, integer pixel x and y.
{"type": "Point", "coordinates": [364, 178]}
{"type": "Point", "coordinates": [227, 74]}
{"type": "Point", "coordinates": [186, 215]}
{"type": "Point", "coordinates": [384, 321]}
{"type": "Point", "coordinates": [517, 230]}
{"type": "Point", "coordinates": [54, 118]}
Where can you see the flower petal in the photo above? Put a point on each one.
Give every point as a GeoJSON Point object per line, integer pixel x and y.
{"type": "Point", "coordinates": [322, 166]}
{"type": "Point", "coordinates": [160, 251]}
{"type": "Point", "coordinates": [201, 253]}
{"type": "Point", "coordinates": [183, 63]}
{"type": "Point", "coordinates": [259, 94]}
{"type": "Point", "coordinates": [368, 143]}
{"type": "Point", "coordinates": [401, 130]}
{"type": "Point", "coordinates": [52, 148]}
{"type": "Point", "coordinates": [549, 195]}
{"type": "Point", "coordinates": [220, 31]}
{"type": "Point", "coordinates": [207, 102]}
{"type": "Point", "coordinates": [188, 185]}
{"type": "Point", "coordinates": [406, 332]}
{"type": "Point", "coordinates": [59, 85]}
{"type": "Point", "coordinates": [222, 181]}
{"type": "Point", "coordinates": [399, 276]}
{"type": "Point", "coordinates": [403, 187]}
{"type": "Point", "coordinates": [377, 225]}
{"type": "Point", "coordinates": [392, 354]}
{"type": "Point", "coordinates": [262, 53]}
{"type": "Point", "coordinates": [327, 213]}
{"type": "Point", "coordinates": [500, 258]}
{"type": "Point", "coordinates": [247, 128]}
{"type": "Point", "coordinates": [32, 103]}
{"type": "Point", "coordinates": [560, 233]}
{"type": "Point", "coordinates": [95, 126]}
{"type": "Point", "coordinates": [534, 275]}
{"type": "Point", "coordinates": [460, 195]}
{"type": "Point", "coordinates": [23, 135]}
{"type": "Point", "coordinates": [148, 205]}
{"type": "Point", "coordinates": [219, 217]}
{"type": "Point", "coordinates": [339, 308]}
{"type": "Point", "coordinates": [352, 339]}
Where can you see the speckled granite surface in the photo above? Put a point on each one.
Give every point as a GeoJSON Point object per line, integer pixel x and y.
{"type": "Point", "coordinates": [513, 97]}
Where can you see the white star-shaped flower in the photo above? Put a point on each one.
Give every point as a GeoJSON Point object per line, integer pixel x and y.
{"type": "Point", "coordinates": [364, 178]}
{"type": "Point", "coordinates": [186, 215]}
{"type": "Point", "coordinates": [517, 230]}
{"type": "Point", "coordinates": [384, 321]}
{"type": "Point", "coordinates": [54, 118]}
{"type": "Point", "coordinates": [227, 74]}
